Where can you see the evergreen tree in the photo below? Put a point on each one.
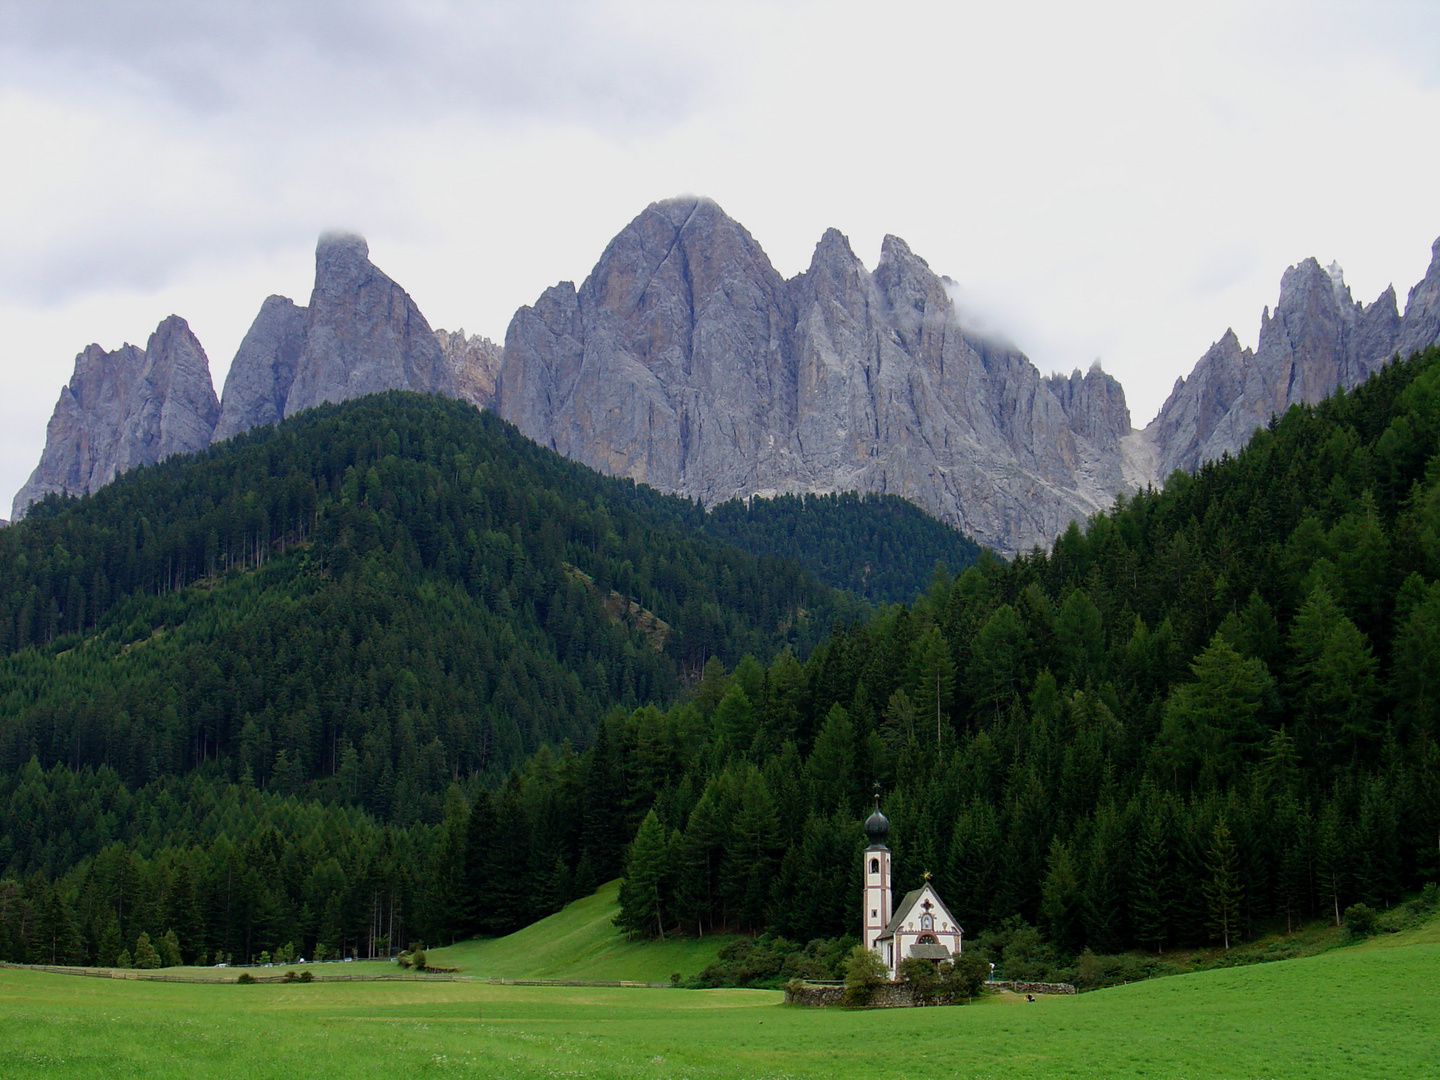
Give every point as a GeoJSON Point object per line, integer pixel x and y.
{"type": "Point", "coordinates": [146, 958]}
{"type": "Point", "coordinates": [1223, 891]}
{"type": "Point", "coordinates": [646, 881]}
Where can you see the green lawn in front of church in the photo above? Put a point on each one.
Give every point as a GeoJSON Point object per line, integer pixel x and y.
{"type": "Point", "coordinates": [581, 942]}
{"type": "Point", "coordinates": [1366, 1012]}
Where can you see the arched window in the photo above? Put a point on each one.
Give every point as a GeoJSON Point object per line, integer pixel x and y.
{"type": "Point", "coordinates": [874, 866]}
{"type": "Point", "coordinates": [927, 939]}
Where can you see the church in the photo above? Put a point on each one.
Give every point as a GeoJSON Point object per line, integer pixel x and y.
{"type": "Point", "coordinates": [921, 926]}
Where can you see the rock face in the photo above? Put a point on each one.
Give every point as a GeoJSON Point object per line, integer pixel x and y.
{"type": "Point", "coordinates": [260, 377]}
{"type": "Point", "coordinates": [125, 408]}
{"type": "Point", "coordinates": [361, 333]}
{"type": "Point", "coordinates": [473, 364]}
{"type": "Point", "coordinates": [685, 361]}
{"type": "Point", "coordinates": [1318, 339]}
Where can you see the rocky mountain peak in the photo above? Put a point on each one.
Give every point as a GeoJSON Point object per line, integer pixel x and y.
{"type": "Point", "coordinates": [1422, 308]}
{"type": "Point", "coordinates": [1317, 338]}
{"type": "Point", "coordinates": [125, 408]}
{"type": "Point", "coordinates": [259, 380]}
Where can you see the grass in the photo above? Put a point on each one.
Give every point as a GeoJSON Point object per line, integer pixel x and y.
{"type": "Point", "coordinates": [1371, 1011]}
{"type": "Point", "coordinates": [581, 942]}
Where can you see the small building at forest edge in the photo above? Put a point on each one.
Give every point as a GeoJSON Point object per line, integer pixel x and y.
{"type": "Point", "coordinates": [920, 926]}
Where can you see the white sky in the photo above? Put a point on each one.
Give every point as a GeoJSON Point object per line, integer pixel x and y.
{"type": "Point", "coordinates": [1105, 180]}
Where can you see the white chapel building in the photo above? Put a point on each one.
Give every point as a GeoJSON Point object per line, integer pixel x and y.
{"type": "Point", "coordinates": [921, 926]}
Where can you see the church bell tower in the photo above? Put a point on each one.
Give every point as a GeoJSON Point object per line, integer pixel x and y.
{"type": "Point", "coordinates": [876, 875]}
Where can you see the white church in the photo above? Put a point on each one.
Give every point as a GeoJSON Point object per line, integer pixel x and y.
{"type": "Point", "coordinates": [921, 926]}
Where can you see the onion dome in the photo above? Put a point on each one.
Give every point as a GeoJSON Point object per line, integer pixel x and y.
{"type": "Point", "coordinates": [877, 825]}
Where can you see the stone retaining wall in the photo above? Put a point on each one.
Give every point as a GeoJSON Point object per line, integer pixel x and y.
{"type": "Point", "coordinates": [898, 995]}
{"type": "Point", "coordinates": [1032, 987]}
{"type": "Point", "coordinates": [894, 995]}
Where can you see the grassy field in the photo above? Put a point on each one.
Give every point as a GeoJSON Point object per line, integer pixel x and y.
{"type": "Point", "coordinates": [1372, 1011]}
{"type": "Point", "coordinates": [580, 942]}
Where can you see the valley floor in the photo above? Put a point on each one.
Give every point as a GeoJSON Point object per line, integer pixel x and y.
{"type": "Point", "coordinates": [1370, 1011]}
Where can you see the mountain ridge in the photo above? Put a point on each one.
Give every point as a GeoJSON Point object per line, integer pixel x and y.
{"type": "Point", "coordinates": [686, 361]}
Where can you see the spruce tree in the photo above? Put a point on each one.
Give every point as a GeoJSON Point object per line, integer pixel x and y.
{"type": "Point", "coordinates": [647, 874]}
{"type": "Point", "coordinates": [1223, 892]}
{"type": "Point", "coordinates": [146, 957]}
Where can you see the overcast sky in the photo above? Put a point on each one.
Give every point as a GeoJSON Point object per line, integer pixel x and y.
{"type": "Point", "coordinates": [1107, 180]}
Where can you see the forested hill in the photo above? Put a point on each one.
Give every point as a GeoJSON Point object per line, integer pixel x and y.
{"type": "Point", "coordinates": [879, 547]}
{"type": "Point", "coordinates": [1210, 713]}
{"type": "Point", "coordinates": [365, 602]}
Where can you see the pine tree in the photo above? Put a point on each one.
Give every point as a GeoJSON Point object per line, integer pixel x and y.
{"type": "Point", "coordinates": [1151, 893]}
{"type": "Point", "coordinates": [1223, 892]}
{"type": "Point", "coordinates": [647, 874]}
{"type": "Point", "coordinates": [146, 957]}
{"type": "Point", "coordinates": [1061, 901]}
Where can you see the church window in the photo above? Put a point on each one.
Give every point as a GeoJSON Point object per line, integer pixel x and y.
{"type": "Point", "coordinates": [874, 866]}
{"type": "Point", "coordinates": [927, 939]}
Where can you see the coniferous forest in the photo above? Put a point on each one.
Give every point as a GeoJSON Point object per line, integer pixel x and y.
{"type": "Point", "coordinates": [388, 671]}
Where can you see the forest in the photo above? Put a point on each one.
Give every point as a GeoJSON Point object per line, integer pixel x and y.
{"type": "Point", "coordinates": [1207, 713]}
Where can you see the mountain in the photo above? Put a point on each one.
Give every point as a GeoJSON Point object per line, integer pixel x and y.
{"type": "Point", "coordinates": [125, 408]}
{"type": "Point", "coordinates": [685, 361]}
{"type": "Point", "coordinates": [880, 547]}
{"type": "Point", "coordinates": [360, 334]}
{"type": "Point", "coordinates": [254, 694]}
{"type": "Point", "coordinates": [403, 575]}
{"type": "Point", "coordinates": [1318, 338]}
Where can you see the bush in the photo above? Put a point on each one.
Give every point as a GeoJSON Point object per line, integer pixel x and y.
{"type": "Point", "coordinates": [1359, 920]}
{"type": "Point", "coordinates": [146, 958]}
{"type": "Point", "coordinates": [864, 974]}
{"type": "Point", "coordinates": [767, 961]}
{"type": "Point", "coordinates": [947, 983]}
{"type": "Point", "coordinates": [245, 979]}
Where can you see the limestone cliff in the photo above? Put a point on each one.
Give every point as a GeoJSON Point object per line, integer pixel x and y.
{"type": "Point", "coordinates": [1318, 338]}
{"type": "Point", "coordinates": [360, 334]}
{"type": "Point", "coordinates": [473, 365]}
{"type": "Point", "coordinates": [258, 383]}
{"type": "Point", "coordinates": [686, 361]}
{"type": "Point", "coordinates": [125, 408]}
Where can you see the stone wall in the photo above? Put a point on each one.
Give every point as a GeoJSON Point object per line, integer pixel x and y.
{"type": "Point", "coordinates": [1032, 987]}
{"type": "Point", "coordinates": [893, 995]}
{"type": "Point", "coordinates": [898, 995]}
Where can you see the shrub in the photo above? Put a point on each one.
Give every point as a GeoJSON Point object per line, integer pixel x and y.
{"type": "Point", "coordinates": [245, 978]}
{"type": "Point", "coordinates": [864, 974]}
{"type": "Point", "coordinates": [145, 955]}
{"type": "Point", "coordinates": [307, 976]}
{"type": "Point", "coordinates": [1360, 919]}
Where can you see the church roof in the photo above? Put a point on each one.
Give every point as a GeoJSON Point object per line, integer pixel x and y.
{"type": "Point", "coordinates": [929, 951]}
{"type": "Point", "coordinates": [902, 911]}
{"type": "Point", "coordinates": [911, 899]}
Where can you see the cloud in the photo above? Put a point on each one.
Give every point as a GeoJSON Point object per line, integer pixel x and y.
{"type": "Point", "coordinates": [287, 63]}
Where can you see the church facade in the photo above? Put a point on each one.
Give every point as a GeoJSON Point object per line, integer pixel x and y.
{"type": "Point", "coordinates": [919, 926]}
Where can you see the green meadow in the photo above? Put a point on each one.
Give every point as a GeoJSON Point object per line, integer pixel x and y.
{"type": "Point", "coordinates": [581, 942]}
{"type": "Point", "coordinates": [1369, 1011]}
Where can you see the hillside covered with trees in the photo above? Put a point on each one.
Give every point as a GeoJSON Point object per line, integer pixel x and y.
{"type": "Point", "coordinates": [1210, 712]}
{"type": "Point", "coordinates": [314, 645]}
{"type": "Point", "coordinates": [879, 547]}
